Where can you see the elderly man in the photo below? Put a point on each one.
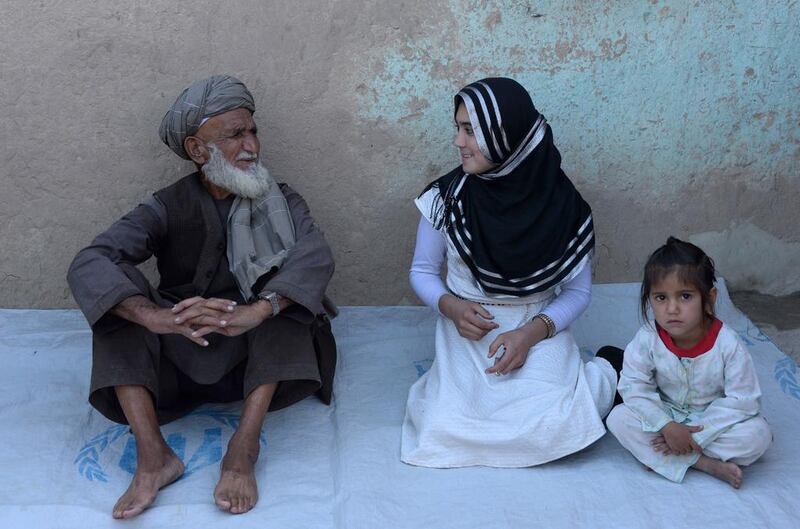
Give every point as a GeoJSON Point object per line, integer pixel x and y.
{"type": "Point", "coordinates": [240, 310]}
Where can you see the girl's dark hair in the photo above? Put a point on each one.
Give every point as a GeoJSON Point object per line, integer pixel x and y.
{"type": "Point", "coordinates": [691, 264]}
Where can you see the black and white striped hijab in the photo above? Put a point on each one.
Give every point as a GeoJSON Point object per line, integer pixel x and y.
{"type": "Point", "coordinates": [523, 227]}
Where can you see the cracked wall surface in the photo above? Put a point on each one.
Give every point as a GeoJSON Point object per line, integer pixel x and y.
{"type": "Point", "coordinates": [674, 118]}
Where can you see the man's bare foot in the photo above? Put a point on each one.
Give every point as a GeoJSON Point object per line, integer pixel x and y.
{"type": "Point", "coordinates": [236, 491]}
{"type": "Point", "coordinates": [150, 477]}
{"type": "Point", "coordinates": [726, 471]}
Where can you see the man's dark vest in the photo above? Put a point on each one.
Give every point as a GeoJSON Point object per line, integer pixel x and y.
{"type": "Point", "coordinates": [195, 242]}
{"type": "Point", "coordinates": [189, 257]}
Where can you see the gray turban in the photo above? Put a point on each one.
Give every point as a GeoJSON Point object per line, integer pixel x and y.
{"type": "Point", "coordinates": [203, 99]}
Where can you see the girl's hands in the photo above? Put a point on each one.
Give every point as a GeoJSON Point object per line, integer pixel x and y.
{"type": "Point", "coordinates": [470, 318]}
{"type": "Point", "coordinates": [676, 439]}
{"type": "Point", "coordinates": [517, 344]}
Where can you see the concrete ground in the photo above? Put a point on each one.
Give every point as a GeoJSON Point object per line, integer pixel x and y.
{"type": "Point", "coordinates": [777, 316]}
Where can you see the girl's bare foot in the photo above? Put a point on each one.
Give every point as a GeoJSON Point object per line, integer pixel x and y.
{"type": "Point", "coordinates": [151, 476]}
{"type": "Point", "coordinates": [726, 471]}
{"type": "Point", "coordinates": [237, 491]}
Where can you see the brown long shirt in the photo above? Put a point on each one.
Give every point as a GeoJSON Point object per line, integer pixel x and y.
{"type": "Point", "coordinates": [98, 284]}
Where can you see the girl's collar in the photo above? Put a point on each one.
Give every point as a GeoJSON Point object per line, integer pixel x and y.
{"type": "Point", "coordinates": [703, 346]}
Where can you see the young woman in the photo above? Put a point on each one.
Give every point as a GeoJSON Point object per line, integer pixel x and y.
{"type": "Point", "coordinates": [507, 387]}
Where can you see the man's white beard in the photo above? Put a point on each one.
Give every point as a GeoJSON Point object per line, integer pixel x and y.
{"type": "Point", "coordinates": [247, 183]}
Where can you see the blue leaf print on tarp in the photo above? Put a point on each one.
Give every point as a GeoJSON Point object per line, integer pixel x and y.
{"type": "Point", "coordinates": [786, 376]}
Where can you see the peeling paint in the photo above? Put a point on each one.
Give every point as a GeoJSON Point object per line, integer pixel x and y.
{"type": "Point", "coordinates": [664, 106]}
{"type": "Point", "coordinates": [494, 18]}
{"type": "Point", "coordinates": [750, 258]}
{"type": "Point", "coordinates": [588, 68]}
{"type": "Point", "coordinates": [672, 117]}
{"type": "Point", "coordinates": [767, 118]}
{"type": "Point", "coordinates": [614, 49]}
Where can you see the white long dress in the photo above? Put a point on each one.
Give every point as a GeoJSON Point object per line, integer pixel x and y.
{"type": "Point", "coordinates": [457, 415]}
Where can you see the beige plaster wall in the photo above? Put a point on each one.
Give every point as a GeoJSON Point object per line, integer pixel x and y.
{"type": "Point", "coordinates": [672, 118]}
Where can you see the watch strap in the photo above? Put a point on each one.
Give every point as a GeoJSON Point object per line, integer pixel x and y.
{"type": "Point", "coordinates": [272, 299]}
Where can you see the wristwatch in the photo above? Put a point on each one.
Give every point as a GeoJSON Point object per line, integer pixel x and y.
{"type": "Point", "coordinates": [272, 298]}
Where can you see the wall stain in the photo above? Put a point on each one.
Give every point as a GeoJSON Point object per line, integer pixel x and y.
{"type": "Point", "coordinates": [493, 20]}
{"type": "Point", "coordinates": [768, 118]}
{"type": "Point", "coordinates": [613, 49]}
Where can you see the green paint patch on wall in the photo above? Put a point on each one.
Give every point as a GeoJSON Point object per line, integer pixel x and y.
{"type": "Point", "coordinates": [641, 95]}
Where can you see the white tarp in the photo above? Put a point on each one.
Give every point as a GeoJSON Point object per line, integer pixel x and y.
{"type": "Point", "coordinates": [62, 465]}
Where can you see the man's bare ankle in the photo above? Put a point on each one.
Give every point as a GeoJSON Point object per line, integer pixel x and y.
{"type": "Point", "coordinates": [155, 458]}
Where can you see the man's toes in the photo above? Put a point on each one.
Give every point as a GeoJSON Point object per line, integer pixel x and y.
{"type": "Point", "coordinates": [137, 506]}
{"type": "Point", "coordinates": [120, 508]}
{"type": "Point", "coordinates": [223, 503]}
{"type": "Point", "coordinates": [133, 511]}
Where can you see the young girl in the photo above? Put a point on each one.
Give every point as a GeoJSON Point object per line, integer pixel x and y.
{"type": "Point", "coordinates": [691, 395]}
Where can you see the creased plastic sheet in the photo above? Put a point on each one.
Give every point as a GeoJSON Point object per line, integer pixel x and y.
{"type": "Point", "coordinates": [62, 465]}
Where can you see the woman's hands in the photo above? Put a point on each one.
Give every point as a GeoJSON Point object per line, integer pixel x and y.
{"type": "Point", "coordinates": [517, 344]}
{"type": "Point", "coordinates": [473, 322]}
{"type": "Point", "coordinates": [470, 318]}
{"type": "Point", "coordinates": [676, 439]}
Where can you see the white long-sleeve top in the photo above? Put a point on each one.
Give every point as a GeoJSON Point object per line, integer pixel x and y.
{"type": "Point", "coordinates": [426, 278]}
{"type": "Point", "coordinates": [716, 389]}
